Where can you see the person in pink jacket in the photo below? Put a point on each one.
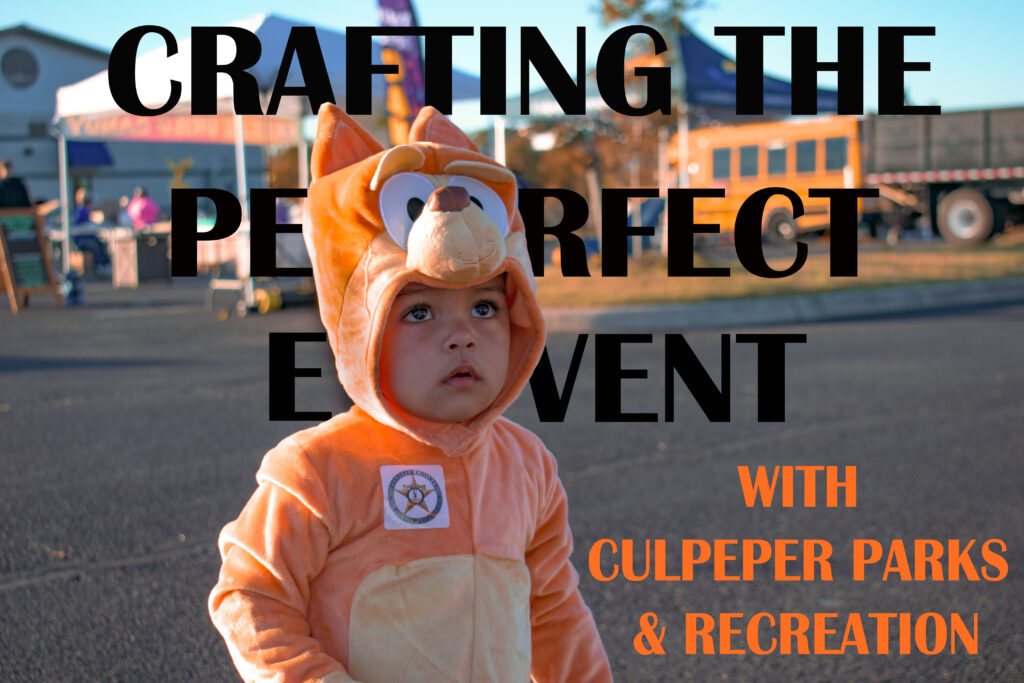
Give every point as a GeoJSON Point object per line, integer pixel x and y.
{"type": "Point", "coordinates": [142, 210]}
{"type": "Point", "coordinates": [420, 536]}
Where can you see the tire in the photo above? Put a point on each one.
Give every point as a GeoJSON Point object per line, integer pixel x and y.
{"type": "Point", "coordinates": [780, 227]}
{"type": "Point", "coordinates": [965, 217]}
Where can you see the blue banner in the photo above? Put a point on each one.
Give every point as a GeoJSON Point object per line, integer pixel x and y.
{"type": "Point", "coordinates": [401, 13]}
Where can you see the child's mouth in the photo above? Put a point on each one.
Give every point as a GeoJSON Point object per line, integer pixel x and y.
{"type": "Point", "coordinates": [462, 376]}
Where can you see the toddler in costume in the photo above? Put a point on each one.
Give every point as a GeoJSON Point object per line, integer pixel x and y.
{"type": "Point", "coordinates": [420, 536]}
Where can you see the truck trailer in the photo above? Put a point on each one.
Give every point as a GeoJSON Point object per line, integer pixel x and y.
{"type": "Point", "coordinates": [960, 174]}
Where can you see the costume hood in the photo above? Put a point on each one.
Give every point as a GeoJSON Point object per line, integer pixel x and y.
{"type": "Point", "coordinates": [366, 244]}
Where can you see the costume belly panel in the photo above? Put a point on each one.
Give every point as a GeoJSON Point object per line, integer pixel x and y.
{"type": "Point", "coordinates": [454, 618]}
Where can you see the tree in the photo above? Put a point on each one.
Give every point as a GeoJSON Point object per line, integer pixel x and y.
{"type": "Point", "coordinates": [666, 16]}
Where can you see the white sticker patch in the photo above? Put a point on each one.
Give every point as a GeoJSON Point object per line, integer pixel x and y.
{"type": "Point", "coordinates": [414, 497]}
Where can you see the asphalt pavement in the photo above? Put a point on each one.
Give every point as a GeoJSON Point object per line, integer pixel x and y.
{"type": "Point", "coordinates": [131, 428]}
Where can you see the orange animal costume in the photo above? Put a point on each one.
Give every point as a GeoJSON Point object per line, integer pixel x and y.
{"type": "Point", "coordinates": [380, 546]}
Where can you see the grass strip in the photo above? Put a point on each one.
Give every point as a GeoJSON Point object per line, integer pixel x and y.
{"type": "Point", "coordinates": [878, 266]}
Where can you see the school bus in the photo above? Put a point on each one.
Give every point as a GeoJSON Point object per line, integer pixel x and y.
{"type": "Point", "coordinates": [959, 174]}
{"type": "Point", "coordinates": [820, 152]}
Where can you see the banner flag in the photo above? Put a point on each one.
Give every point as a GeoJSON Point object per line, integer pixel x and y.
{"type": "Point", "coordinates": [405, 89]}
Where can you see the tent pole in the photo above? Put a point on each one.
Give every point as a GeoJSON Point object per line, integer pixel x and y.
{"type": "Point", "coordinates": [683, 164]}
{"type": "Point", "coordinates": [683, 126]}
{"type": "Point", "coordinates": [248, 295]}
{"type": "Point", "coordinates": [62, 170]}
{"type": "Point", "coordinates": [499, 140]}
{"type": "Point", "coordinates": [683, 148]}
{"type": "Point", "coordinates": [663, 182]}
{"type": "Point", "coordinates": [243, 197]}
{"type": "Point", "coordinates": [303, 150]}
{"type": "Point", "coordinates": [682, 140]}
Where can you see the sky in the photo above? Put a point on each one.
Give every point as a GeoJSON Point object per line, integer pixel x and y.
{"type": "Point", "coordinates": [975, 56]}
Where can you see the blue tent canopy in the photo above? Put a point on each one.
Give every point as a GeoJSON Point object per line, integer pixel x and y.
{"type": "Point", "coordinates": [711, 81]}
{"type": "Point", "coordinates": [273, 31]}
{"type": "Point", "coordinates": [710, 90]}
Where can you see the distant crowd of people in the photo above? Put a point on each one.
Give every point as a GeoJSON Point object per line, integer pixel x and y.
{"type": "Point", "coordinates": [140, 211]}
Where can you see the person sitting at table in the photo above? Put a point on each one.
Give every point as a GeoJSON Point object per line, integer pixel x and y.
{"type": "Point", "coordinates": [121, 216]}
{"type": "Point", "coordinates": [13, 193]}
{"type": "Point", "coordinates": [142, 209]}
{"type": "Point", "coordinates": [88, 241]}
{"type": "Point", "coordinates": [83, 207]}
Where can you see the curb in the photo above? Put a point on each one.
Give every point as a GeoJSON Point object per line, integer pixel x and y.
{"type": "Point", "coordinates": [784, 310]}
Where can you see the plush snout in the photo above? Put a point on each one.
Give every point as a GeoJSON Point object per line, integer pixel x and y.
{"type": "Point", "coordinates": [453, 240]}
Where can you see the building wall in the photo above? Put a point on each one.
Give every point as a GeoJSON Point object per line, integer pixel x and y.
{"type": "Point", "coordinates": [27, 112]}
{"type": "Point", "coordinates": [58, 66]}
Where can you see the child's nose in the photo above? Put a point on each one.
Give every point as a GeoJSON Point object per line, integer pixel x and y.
{"type": "Point", "coordinates": [460, 338]}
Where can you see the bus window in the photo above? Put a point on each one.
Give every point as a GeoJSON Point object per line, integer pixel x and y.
{"type": "Point", "coordinates": [835, 154]}
{"type": "Point", "coordinates": [720, 163]}
{"type": "Point", "coordinates": [748, 160]}
{"type": "Point", "coordinates": [805, 156]}
{"type": "Point", "coordinates": [777, 161]}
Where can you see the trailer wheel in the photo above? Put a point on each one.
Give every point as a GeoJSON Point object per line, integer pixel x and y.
{"type": "Point", "coordinates": [780, 227]}
{"type": "Point", "coordinates": [965, 217]}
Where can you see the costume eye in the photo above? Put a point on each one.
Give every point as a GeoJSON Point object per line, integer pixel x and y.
{"type": "Point", "coordinates": [414, 207]}
{"type": "Point", "coordinates": [486, 199]}
{"type": "Point", "coordinates": [484, 309]}
{"type": "Point", "coordinates": [418, 314]}
{"type": "Point", "coordinates": [401, 201]}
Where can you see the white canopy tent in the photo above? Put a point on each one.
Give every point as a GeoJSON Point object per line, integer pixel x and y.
{"type": "Point", "coordinates": [87, 110]}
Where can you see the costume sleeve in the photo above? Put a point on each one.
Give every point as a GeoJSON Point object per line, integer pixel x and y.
{"type": "Point", "coordinates": [565, 641]}
{"type": "Point", "coordinates": [259, 605]}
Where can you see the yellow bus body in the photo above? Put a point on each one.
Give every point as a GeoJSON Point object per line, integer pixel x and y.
{"type": "Point", "coordinates": [821, 152]}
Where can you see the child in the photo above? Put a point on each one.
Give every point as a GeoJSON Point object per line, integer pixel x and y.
{"type": "Point", "coordinates": [420, 536]}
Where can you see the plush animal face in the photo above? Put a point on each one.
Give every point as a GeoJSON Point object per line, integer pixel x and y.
{"type": "Point", "coordinates": [449, 211]}
{"type": "Point", "coordinates": [434, 212]}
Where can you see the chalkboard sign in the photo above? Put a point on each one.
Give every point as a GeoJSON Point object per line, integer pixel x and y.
{"type": "Point", "coordinates": [25, 257]}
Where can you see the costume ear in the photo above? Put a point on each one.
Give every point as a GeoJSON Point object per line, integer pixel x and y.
{"type": "Point", "coordinates": [340, 142]}
{"type": "Point", "coordinates": [396, 160]}
{"type": "Point", "coordinates": [433, 126]}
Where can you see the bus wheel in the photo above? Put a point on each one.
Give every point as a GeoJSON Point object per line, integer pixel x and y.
{"type": "Point", "coordinates": [780, 228]}
{"type": "Point", "coordinates": [965, 217]}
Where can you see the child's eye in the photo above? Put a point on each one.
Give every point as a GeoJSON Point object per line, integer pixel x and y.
{"type": "Point", "coordinates": [418, 314]}
{"type": "Point", "coordinates": [484, 309]}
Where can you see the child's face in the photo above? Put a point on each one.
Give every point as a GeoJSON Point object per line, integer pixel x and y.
{"type": "Point", "coordinates": [444, 355]}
